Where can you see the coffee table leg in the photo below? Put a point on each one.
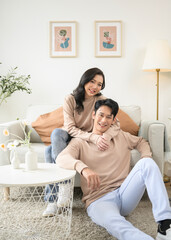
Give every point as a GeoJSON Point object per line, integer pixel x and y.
{"type": "Point", "coordinates": [6, 193]}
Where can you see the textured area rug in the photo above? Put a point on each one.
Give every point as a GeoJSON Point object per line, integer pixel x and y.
{"type": "Point", "coordinates": [83, 228]}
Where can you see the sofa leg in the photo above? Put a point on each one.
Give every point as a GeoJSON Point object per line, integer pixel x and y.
{"type": "Point", "coordinates": [6, 193]}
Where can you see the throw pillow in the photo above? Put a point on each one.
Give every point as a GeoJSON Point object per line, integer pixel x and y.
{"type": "Point", "coordinates": [126, 123]}
{"type": "Point", "coordinates": [46, 123]}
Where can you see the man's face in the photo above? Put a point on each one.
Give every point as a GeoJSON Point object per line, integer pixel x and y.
{"type": "Point", "coordinates": [103, 119]}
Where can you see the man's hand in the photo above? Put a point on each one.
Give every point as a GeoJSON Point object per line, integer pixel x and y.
{"type": "Point", "coordinates": [93, 180]}
{"type": "Point", "coordinates": [102, 144]}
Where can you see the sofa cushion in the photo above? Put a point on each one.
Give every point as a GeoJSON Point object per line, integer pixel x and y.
{"type": "Point", "coordinates": [34, 111]}
{"type": "Point", "coordinates": [34, 137]}
{"type": "Point", "coordinates": [127, 124]}
{"type": "Point", "coordinates": [46, 123]}
{"type": "Point", "coordinates": [134, 112]}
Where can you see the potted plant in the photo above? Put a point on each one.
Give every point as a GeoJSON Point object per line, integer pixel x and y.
{"type": "Point", "coordinates": [12, 83]}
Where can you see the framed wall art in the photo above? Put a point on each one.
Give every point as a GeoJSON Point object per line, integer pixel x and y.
{"type": "Point", "coordinates": [62, 39]}
{"type": "Point", "coordinates": [108, 39]}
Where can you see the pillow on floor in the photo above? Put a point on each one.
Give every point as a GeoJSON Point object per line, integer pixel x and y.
{"type": "Point", "coordinates": [46, 123]}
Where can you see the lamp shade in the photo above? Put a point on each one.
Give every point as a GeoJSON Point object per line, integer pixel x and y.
{"type": "Point", "coordinates": [158, 56]}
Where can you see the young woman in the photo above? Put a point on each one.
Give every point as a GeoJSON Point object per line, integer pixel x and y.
{"type": "Point", "coordinates": [77, 108]}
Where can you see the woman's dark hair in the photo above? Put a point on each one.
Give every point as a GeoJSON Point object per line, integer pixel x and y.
{"type": "Point", "coordinates": [79, 92]}
{"type": "Point", "coordinates": [107, 102]}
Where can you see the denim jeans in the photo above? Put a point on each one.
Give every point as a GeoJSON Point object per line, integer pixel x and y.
{"type": "Point", "coordinates": [59, 140]}
{"type": "Point", "coordinates": [109, 210]}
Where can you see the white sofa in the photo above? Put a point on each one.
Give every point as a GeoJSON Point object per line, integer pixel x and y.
{"type": "Point", "coordinates": [154, 132]}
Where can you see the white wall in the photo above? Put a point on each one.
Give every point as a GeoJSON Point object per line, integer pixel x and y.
{"type": "Point", "coordinates": [24, 42]}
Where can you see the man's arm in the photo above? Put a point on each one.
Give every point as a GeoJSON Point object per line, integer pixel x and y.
{"type": "Point", "coordinates": [93, 180]}
{"type": "Point", "coordinates": [68, 159]}
{"type": "Point", "coordinates": [139, 143]}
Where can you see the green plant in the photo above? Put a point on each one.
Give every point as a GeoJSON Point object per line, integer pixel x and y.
{"type": "Point", "coordinates": [12, 83]}
{"type": "Point", "coordinates": [106, 34]}
{"type": "Point", "coordinates": [63, 32]}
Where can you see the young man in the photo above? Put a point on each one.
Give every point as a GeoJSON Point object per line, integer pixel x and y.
{"type": "Point", "coordinates": [110, 192]}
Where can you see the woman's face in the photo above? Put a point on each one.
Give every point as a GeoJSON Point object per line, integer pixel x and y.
{"type": "Point", "coordinates": [94, 86]}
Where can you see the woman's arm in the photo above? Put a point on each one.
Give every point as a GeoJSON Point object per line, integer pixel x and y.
{"type": "Point", "coordinates": [70, 124]}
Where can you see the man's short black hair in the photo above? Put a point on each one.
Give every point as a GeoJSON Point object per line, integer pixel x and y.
{"type": "Point", "coordinates": [109, 103]}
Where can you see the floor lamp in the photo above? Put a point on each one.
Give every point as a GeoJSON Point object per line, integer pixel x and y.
{"type": "Point", "coordinates": [157, 59]}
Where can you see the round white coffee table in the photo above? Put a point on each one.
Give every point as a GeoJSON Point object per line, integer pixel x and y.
{"type": "Point", "coordinates": [21, 216]}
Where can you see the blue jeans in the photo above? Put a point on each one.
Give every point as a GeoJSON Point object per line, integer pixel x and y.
{"type": "Point", "coordinates": [59, 140]}
{"type": "Point", "coordinates": [109, 210]}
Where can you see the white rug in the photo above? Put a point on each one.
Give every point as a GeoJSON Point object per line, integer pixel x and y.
{"type": "Point", "coordinates": [84, 229]}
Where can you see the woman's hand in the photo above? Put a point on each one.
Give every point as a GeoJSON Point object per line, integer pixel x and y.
{"type": "Point", "coordinates": [93, 180]}
{"type": "Point", "coordinates": [102, 144]}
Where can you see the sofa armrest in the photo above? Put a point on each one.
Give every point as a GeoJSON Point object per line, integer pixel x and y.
{"type": "Point", "coordinates": [14, 128]}
{"type": "Point", "coordinates": [154, 133]}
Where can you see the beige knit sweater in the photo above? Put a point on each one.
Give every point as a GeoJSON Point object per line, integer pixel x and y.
{"type": "Point", "coordinates": [112, 165]}
{"type": "Point", "coordinates": [80, 125]}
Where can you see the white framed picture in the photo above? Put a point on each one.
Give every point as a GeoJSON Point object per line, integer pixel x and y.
{"type": "Point", "coordinates": [108, 38]}
{"type": "Point", "coordinates": [62, 39]}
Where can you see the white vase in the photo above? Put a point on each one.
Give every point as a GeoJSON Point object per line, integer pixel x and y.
{"type": "Point", "coordinates": [15, 162]}
{"type": "Point", "coordinates": [31, 160]}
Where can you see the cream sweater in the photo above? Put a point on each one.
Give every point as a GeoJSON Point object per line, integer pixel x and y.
{"type": "Point", "coordinates": [112, 165]}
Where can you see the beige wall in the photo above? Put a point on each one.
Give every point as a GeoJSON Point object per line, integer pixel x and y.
{"type": "Point", "coordinates": [24, 42]}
